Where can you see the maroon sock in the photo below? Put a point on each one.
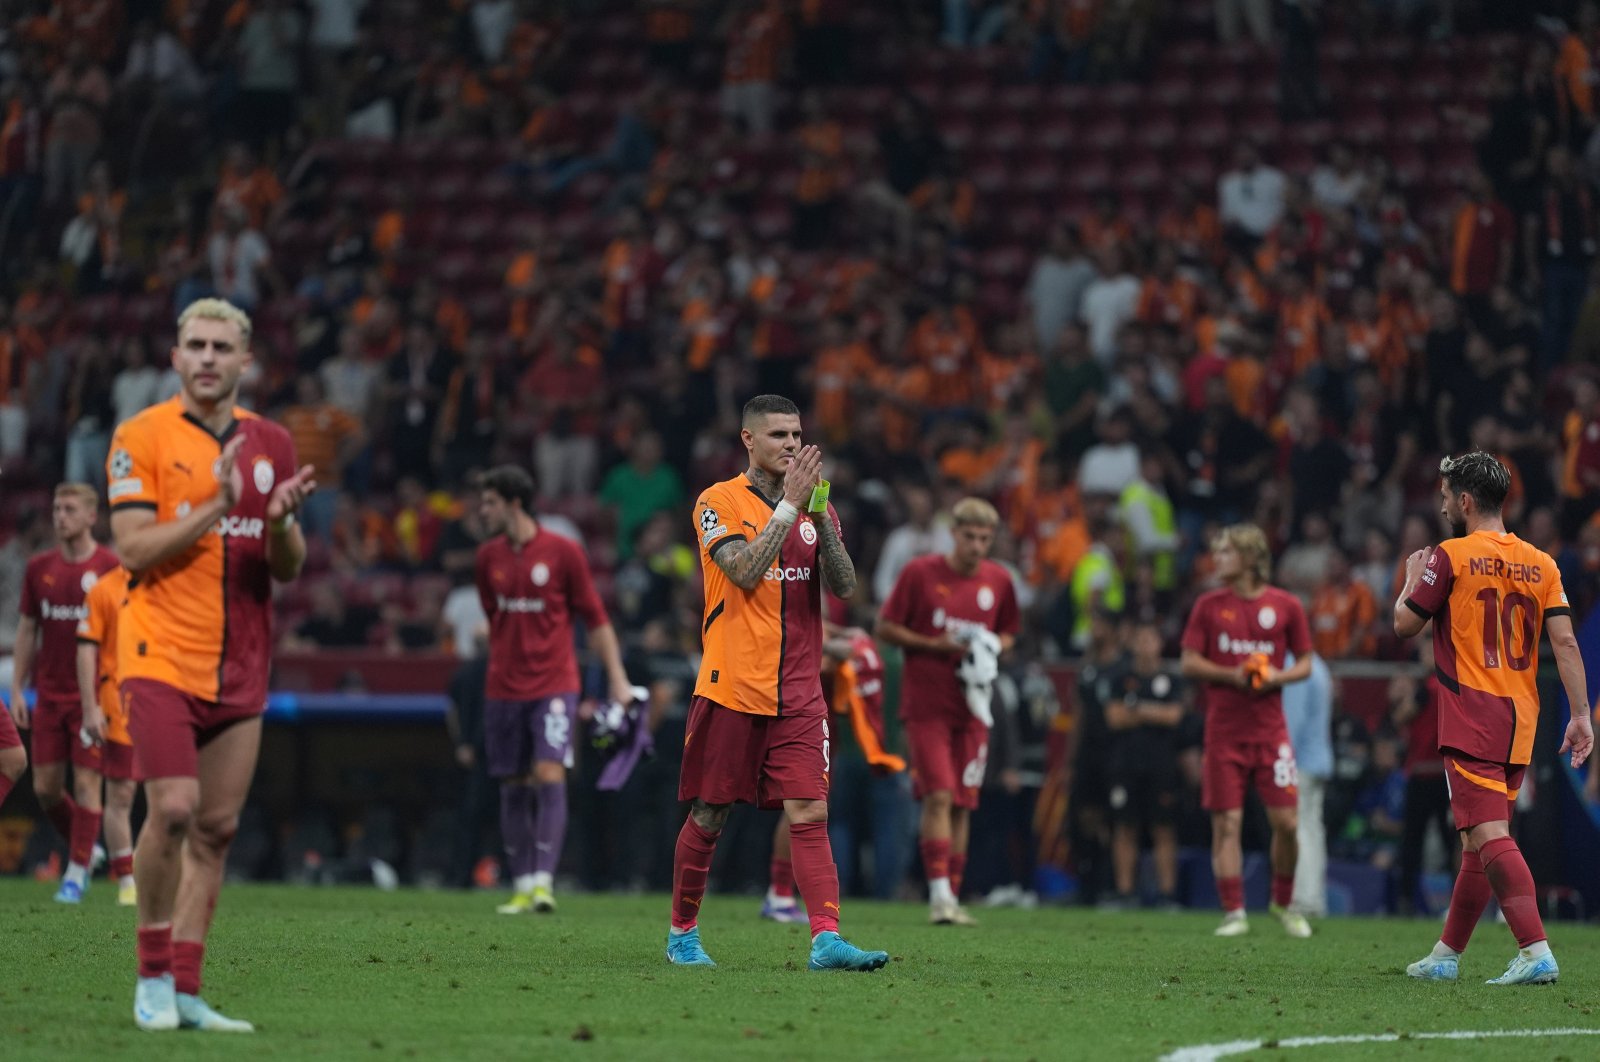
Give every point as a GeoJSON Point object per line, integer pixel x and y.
{"type": "Point", "coordinates": [85, 828]}
{"type": "Point", "coordinates": [1467, 901]}
{"type": "Point", "coordinates": [121, 865]}
{"type": "Point", "coordinates": [958, 870]}
{"type": "Point", "coordinates": [691, 866]}
{"type": "Point", "coordinates": [60, 816]}
{"type": "Point", "coordinates": [187, 957]}
{"type": "Point", "coordinates": [1230, 891]}
{"type": "Point", "coordinates": [155, 950]}
{"type": "Point", "coordinates": [815, 874]}
{"type": "Point", "coordinates": [935, 858]}
{"type": "Point", "coordinates": [5, 787]}
{"type": "Point", "coordinates": [1512, 882]}
{"type": "Point", "coordinates": [782, 878]}
{"type": "Point", "coordinates": [1282, 889]}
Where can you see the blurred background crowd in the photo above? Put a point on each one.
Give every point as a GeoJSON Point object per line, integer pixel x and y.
{"type": "Point", "coordinates": [1132, 269]}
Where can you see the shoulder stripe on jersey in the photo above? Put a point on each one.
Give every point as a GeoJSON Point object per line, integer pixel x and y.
{"type": "Point", "coordinates": [764, 499]}
{"type": "Point", "coordinates": [1559, 610]}
{"type": "Point", "coordinates": [713, 617]}
{"type": "Point", "coordinates": [711, 550]}
{"type": "Point", "coordinates": [117, 507]}
{"type": "Point", "coordinates": [1446, 681]}
{"type": "Point", "coordinates": [1418, 609]}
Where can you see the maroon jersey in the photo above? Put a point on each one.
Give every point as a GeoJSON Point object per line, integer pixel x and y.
{"type": "Point", "coordinates": [53, 592]}
{"type": "Point", "coordinates": [1227, 629]}
{"type": "Point", "coordinates": [932, 598]}
{"type": "Point", "coordinates": [531, 596]}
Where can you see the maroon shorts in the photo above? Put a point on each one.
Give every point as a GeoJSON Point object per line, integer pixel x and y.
{"type": "Point", "coordinates": [1230, 769]}
{"type": "Point", "coordinates": [169, 727]}
{"type": "Point", "coordinates": [57, 730]}
{"type": "Point", "coordinates": [116, 761]}
{"type": "Point", "coordinates": [948, 755]}
{"type": "Point", "coordinates": [1481, 791]}
{"type": "Point", "coordinates": [734, 757]}
{"type": "Point", "coordinates": [9, 738]}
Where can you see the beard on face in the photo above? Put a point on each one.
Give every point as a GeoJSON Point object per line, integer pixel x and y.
{"type": "Point", "coordinates": [1458, 528]}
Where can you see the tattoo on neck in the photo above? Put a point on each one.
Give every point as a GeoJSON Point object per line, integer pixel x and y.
{"type": "Point", "coordinates": [766, 482]}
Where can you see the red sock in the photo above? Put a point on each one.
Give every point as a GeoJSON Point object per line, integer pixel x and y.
{"type": "Point", "coordinates": [782, 878]}
{"type": "Point", "coordinates": [85, 828]}
{"type": "Point", "coordinates": [1512, 882]}
{"type": "Point", "coordinates": [1231, 892]}
{"type": "Point", "coordinates": [816, 875]}
{"type": "Point", "coordinates": [935, 858]}
{"type": "Point", "coordinates": [122, 865]}
{"type": "Point", "coordinates": [60, 816]}
{"type": "Point", "coordinates": [5, 787]}
{"type": "Point", "coordinates": [1467, 901]}
{"type": "Point", "coordinates": [691, 866]}
{"type": "Point", "coordinates": [1282, 889]}
{"type": "Point", "coordinates": [958, 870]}
{"type": "Point", "coordinates": [187, 956]}
{"type": "Point", "coordinates": [155, 950]}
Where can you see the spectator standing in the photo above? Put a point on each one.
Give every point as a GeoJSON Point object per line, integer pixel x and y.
{"type": "Point", "coordinates": [758, 40]}
{"type": "Point", "coordinates": [137, 385]}
{"type": "Point", "coordinates": [1580, 468]}
{"type": "Point", "coordinates": [1145, 510]}
{"type": "Point", "coordinates": [75, 99]}
{"type": "Point", "coordinates": [1560, 240]}
{"type": "Point", "coordinates": [269, 71]}
{"type": "Point", "coordinates": [1110, 301]}
{"type": "Point", "coordinates": [919, 535]}
{"type": "Point", "coordinates": [1308, 709]}
{"type": "Point", "coordinates": [1414, 710]}
{"type": "Point", "coordinates": [241, 260]}
{"type": "Point", "coordinates": [639, 489]}
{"type": "Point", "coordinates": [1250, 197]}
{"type": "Point", "coordinates": [1056, 286]}
{"type": "Point", "coordinates": [1482, 247]}
{"type": "Point", "coordinates": [327, 438]}
{"type": "Point", "coordinates": [1342, 613]}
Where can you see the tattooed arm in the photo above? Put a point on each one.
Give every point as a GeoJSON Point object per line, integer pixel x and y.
{"type": "Point", "coordinates": [745, 563]}
{"type": "Point", "coordinates": [837, 567]}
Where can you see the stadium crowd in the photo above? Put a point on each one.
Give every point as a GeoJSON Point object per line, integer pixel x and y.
{"type": "Point", "coordinates": [468, 237]}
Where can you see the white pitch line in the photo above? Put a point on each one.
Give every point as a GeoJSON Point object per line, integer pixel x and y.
{"type": "Point", "coordinates": [1210, 1052]}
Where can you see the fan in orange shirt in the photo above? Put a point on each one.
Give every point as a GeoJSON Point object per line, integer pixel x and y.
{"type": "Point", "coordinates": [1342, 613]}
{"type": "Point", "coordinates": [841, 367]}
{"type": "Point", "coordinates": [1301, 315]}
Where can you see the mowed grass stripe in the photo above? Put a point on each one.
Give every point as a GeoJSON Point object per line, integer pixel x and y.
{"type": "Point", "coordinates": [355, 973]}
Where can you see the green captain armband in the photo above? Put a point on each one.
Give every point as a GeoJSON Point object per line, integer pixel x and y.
{"type": "Point", "coordinates": [819, 498]}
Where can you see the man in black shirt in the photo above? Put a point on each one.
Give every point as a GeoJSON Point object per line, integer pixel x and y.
{"type": "Point", "coordinates": [1088, 829]}
{"type": "Point", "coordinates": [479, 793]}
{"type": "Point", "coordinates": [1142, 718]}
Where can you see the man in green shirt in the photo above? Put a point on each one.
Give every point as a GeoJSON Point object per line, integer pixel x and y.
{"type": "Point", "coordinates": [640, 488]}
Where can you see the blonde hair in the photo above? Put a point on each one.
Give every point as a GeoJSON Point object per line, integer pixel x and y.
{"type": "Point", "coordinates": [216, 310]}
{"type": "Point", "coordinates": [1251, 543]}
{"type": "Point", "coordinates": [82, 491]}
{"type": "Point", "coordinates": [976, 512]}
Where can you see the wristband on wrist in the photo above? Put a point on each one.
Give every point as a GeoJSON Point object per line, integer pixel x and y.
{"type": "Point", "coordinates": [786, 513]}
{"type": "Point", "coordinates": [819, 498]}
{"type": "Point", "coordinates": [281, 526]}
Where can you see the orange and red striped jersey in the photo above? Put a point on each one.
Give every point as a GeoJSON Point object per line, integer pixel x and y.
{"type": "Point", "coordinates": [201, 621]}
{"type": "Point", "coordinates": [1488, 595]}
{"type": "Point", "coordinates": [762, 647]}
{"type": "Point", "coordinates": [103, 604]}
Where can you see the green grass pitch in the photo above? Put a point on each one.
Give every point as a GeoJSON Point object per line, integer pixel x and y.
{"type": "Point", "coordinates": [359, 974]}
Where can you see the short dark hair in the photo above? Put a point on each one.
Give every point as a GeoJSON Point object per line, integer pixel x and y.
{"type": "Point", "coordinates": [1480, 475]}
{"type": "Point", "coordinates": [511, 483]}
{"type": "Point", "coordinates": [763, 405]}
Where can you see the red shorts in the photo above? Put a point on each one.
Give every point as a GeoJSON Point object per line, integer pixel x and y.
{"type": "Point", "coordinates": [9, 738]}
{"type": "Point", "coordinates": [1230, 769]}
{"type": "Point", "coordinates": [117, 761]}
{"type": "Point", "coordinates": [56, 729]}
{"type": "Point", "coordinates": [734, 757]}
{"type": "Point", "coordinates": [169, 727]}
{"type": "Point", "coordinates": [948, 755]}
{"type": "Point", "coordinates": [1481, 791]}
